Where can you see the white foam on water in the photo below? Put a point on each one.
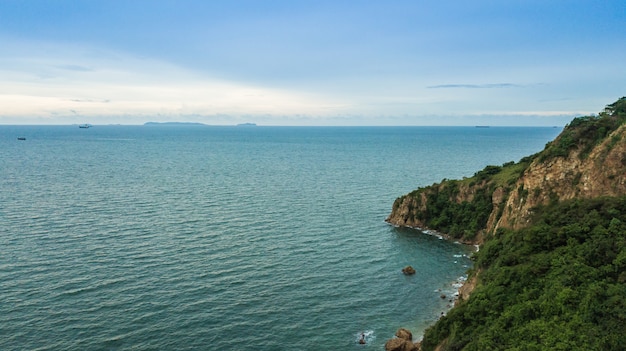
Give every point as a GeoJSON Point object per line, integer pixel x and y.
{"type": "Point", "coordinates": [368, 335]}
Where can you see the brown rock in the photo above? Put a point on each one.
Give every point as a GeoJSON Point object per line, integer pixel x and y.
{"type": "Point", "coordinates": [405, 334]}
{"type": "Point", "coordinates": [402, 342]}
{"type": "Point", "coordinates": [408, 270]}
{"type": "Point", "coordinates": [397, 344]}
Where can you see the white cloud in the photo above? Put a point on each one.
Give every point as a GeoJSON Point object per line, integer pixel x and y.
{"type": "Point", "coordinates": [46, 82]}
{"type": "Point", "coordinates": [64, 81]}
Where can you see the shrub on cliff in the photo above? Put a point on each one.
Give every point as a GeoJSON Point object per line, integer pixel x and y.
{"type": "Point", "coordinates": [462, 219]}
{"type": "Point", "coordinates": [583, 133]}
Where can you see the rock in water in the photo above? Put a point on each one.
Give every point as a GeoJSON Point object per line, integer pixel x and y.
{"type": "Point", "coordinates": [408, 270]}
{"type": "Point", "coordinates": [402, 342]}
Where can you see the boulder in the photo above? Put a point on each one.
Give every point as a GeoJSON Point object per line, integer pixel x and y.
{"type": "Point", "coordinates": [408, 270]}
{"type": "Point", "coordinates": [402, 342]}
{"type": "Point", "coordinates": [397, 344]}
{"type": "Point", "coordinates": [404, 334]}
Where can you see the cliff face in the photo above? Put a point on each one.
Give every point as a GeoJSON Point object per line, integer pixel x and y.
{"type": "Point", "coordinates": [587, 160]}
{"type": "Point", "coordinates": [418, 208]}
{"type": "Point", "coordinates": [600, 173]}
{"type": "Point", "coordinates": [557, 258]}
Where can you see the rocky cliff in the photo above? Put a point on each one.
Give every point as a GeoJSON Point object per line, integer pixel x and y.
{"type": "Point", "coordinates": [600, 172]}
{"type": "Point", "coordinates": [551, 272]}
{"type": "Point", "coordinates": [587, 160]}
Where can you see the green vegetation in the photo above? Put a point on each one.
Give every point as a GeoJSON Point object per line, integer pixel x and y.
{"type": "Point", "coordinates": [466, 218]}
{"type": "Point", "coordinates": [463, 219]}
{"type": "Point", "coordinates": [584, 133]}
{"type": "Point", "coordinates": [507, 174]}
{"type": "Point", "coordinates": [557, 285]}
{"type": "Point", "coordinates": [447, 212]}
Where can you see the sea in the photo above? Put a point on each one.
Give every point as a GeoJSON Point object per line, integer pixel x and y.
{"type": "Point", "coordinates": [186, 237]}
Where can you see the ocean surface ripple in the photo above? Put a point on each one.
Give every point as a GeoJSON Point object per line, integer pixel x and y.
{"type": "Point", "coordinates": [226, 238]}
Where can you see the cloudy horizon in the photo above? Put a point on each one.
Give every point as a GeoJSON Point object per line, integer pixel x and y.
{"type": "Point", "coordinates": [310, 63]}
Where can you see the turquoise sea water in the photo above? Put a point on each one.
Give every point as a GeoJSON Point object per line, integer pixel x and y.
{"type": "Point", "coordinates": [226, 238]}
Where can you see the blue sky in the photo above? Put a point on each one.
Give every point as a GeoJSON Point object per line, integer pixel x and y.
{"type": "Point", "coordinates": [416, 62]}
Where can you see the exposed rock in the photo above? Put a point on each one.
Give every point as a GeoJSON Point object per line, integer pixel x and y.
{"type": "Point", "coordinates": [408, 270]}
{"type": "Point", "coordinates": [397, 344]}
{"type": "Point", "coordinates": [405, 334]}
{"type": "Point", "coordinates": [402, 342]}
{"type": "Point", "coordinates": [466, 289]}
{"type": "Point", "coordinates": [601, 173]}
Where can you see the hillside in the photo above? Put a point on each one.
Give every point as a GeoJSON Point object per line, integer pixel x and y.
{"type": "Point", "coordinates": [551, 272]}
{"type": "Point", "coordinates": [587, 160]}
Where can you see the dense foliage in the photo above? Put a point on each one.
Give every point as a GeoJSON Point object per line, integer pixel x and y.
{"type": "Point", "coordinates": [465, 219]}
{"type": "Point", "coordinates": [559, 284]}
{"type": "Point", "coordinates": [462, 219]}
{"type": "Point", "coordinates": [586, 132]}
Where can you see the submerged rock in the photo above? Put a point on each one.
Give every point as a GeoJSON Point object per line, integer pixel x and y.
{"type": "Point", "coordinates": [408, 270]}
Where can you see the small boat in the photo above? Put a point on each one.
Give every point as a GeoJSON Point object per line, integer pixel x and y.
{"type": "Point", "coordinates": [84, 126]}
{"type": "Point", "coordinates": [21, 138]}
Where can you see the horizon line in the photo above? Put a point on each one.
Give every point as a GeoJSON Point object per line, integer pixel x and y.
{"type": "Point", "coordinates": [250, 126]}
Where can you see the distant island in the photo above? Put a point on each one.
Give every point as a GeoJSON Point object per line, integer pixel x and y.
{"type": "Point", "coordinates": [173, 124]}
{"type": "Point", "coordinates": [191, 124]}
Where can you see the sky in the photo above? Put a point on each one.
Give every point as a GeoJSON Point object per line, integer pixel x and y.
{"type": "Point", "coordinates": [271, 62]}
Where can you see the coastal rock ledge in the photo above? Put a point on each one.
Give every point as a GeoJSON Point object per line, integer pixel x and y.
{"type": "Point", "coordinates": [402, 342]}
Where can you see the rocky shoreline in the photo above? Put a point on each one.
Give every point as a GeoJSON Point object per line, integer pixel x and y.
{"type": "Point", "coordinates": [586, 162]}
{"type": "Point", "coordinates": [403, 339]}
{"type": "Point", "coordinates": [437, 234]}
